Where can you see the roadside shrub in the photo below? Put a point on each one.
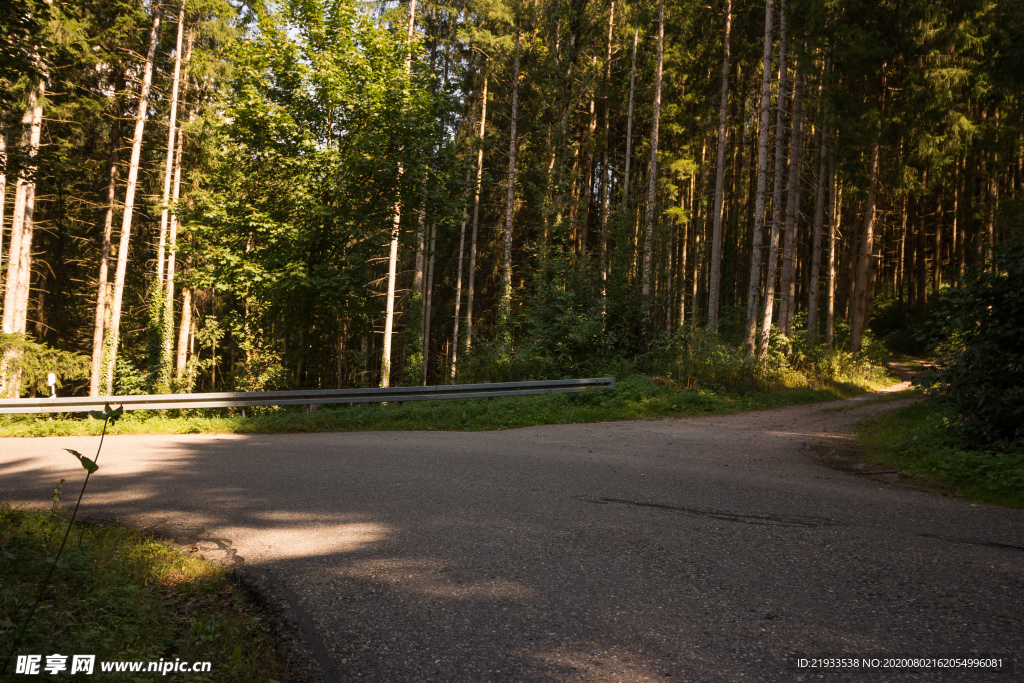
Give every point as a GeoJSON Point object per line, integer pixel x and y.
{"type": "Point", "coordinates": [30, 362]}
{"type": "Point", "coordinates": [698, 358]}
{"type": "Point", "coordinates": [979, 333]}
{"type": "Point", "coordinates": [488, 361]}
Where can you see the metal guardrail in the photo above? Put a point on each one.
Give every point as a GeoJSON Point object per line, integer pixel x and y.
{"type": "Point", "coordinates": [308, 397]}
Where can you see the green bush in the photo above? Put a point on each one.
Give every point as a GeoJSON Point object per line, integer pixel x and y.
{"type": "Point", "coordinates": [701, 359]}
{"type": "Point", "coordinates": [32, 362]}
{"type": "Point", "coordinates": [979, 331]}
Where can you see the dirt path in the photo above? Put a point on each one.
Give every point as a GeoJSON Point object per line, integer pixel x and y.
{"type": "Point", "coordinates": [713, 549]}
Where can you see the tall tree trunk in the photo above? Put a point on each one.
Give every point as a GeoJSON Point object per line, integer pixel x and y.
{"type": "Point", "coordinates": [458, 273]}
{"type": "Point", "coordinates": [937, 257]}
{"type": "Point", "coordinates": [129, 203]}
{"type": "Point", "coordinates": [505, 303]}
{"type": "Point", "coordinates": [629, 121]}
{"type": "Point", "coordinates": [699, 228]}
{"type": "Point", "coordinates": [171, 204]}
{"type": "Point", "coordinates": [172, 130]}
{"type": "Point", "coordinates": [714, 277]}
{"type": "Point", "coordinates": [605, 175]}
{"type": "Point", "coordinates": [40, 322]}
{"type": "Point", "coordinates": [19, 260]}
{"type": "Point", "coordinates": [589, 169]}
{"type": "Point", "coordinates": [102, 285]}
{"type": "Point", "coordinates": [901, 257]}
{"type": "Point", "coordinates": [835, 213]}
{"type": "Point", "coordinates": [184, 330]}
{"type": "Point", "coordinates": [682, 258]}
{"type": "Point", "coordinates": [458, 285]}
{"type": "Point", "coordinates": [993, 209]}
{"type": "Point", "coordinates": [957, 245]}
{"type": "Point", "coordinates": [813, 305]}
{"type": "Point", "coordinates": [860, 309]}
{"type": "Point", "coordinates": [777, 182]}
{"type": "Point", "coordinates": [652, 180]}
{"type": "Point", "coordinates": [3, 194]}
{"type": "Point", "coordinates": [476, 219]}
{"type": "Point", "coordinates": [427, 296]}
{"type": "Point", "coordinates": [389, 314]}
{"type": "Point", "coordinates": [172, 239]}
{"type": "Point", "coordinates": [788, 288]}
{"type": "Point", "coordinates": [762, 181]}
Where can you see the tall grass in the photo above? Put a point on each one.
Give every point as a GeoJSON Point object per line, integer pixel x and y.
{"type": "Point", "coordinates": [922, 439]}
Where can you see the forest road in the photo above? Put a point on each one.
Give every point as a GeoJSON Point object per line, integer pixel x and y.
{"type": "Point", "coordinates": [709, 549]}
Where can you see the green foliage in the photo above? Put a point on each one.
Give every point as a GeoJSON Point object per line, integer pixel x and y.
{"type": "Point", "coordinates": [979, 330]}
{"type": "Point", "coordinates": [261, 366]}
{"type": "Point", "coordinates": [838, 364]}
{"type": "Point", "coordinates": [159, 332]}
{"type": "Point", "coordinates": [30, 362]}
{"type": "Point", "coordinates": [414, 342]}
{"type": "Point", "coordinates": [698, 358]}
{"type": "Point", "coordinates": [902, 328]}
{"type": "Point", "coordinates": [22, 49]}
{"type": "Point", "coordinates": [129, 380]}
{"type": "Point", "coordinates": [564, 321]}
{"type": "Point", "coordinates": [924, 439]}
{"type": "Point", "coordinates": [323, 131]}
{"type": "Point", "coordinates": [88, 464]}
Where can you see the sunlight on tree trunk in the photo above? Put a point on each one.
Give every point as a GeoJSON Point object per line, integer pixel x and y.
{"type": "Point", "coordinates": [777, 183]}
{"type": "Point", "coordinates": [19, 261]}
{"type": "Point", "coordinates": [653, 170]}
{"type": "Point", "coordinates": [859, 310]}
{"type": "Point", "coordinates": [129, 205]}
{"type": "Point", "coordinates": [389, 314]}
{"type": "Point", "coordinates": [762, 183]}
{"type": "Point", "coordinates": [505, 304]}
{"type": "Point", "coordinates": [102, 320]}
{"type": "Point", "coordinates": [476, 217]}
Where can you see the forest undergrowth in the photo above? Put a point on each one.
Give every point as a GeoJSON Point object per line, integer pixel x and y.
{"type": "Point", "coordinates": [695, 372]}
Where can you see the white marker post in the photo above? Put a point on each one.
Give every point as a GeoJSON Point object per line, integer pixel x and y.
{"type": "Point", "coordinates": [51, 379]}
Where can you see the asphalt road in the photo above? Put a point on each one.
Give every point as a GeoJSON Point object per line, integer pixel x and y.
{"type": "Point", "coordinates": [673, 550]}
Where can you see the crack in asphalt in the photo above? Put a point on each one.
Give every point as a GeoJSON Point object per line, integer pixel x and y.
{"type": "Point", "coordinates": [761, 520]}
{"type": "Point", "coordinates": [968, 541]}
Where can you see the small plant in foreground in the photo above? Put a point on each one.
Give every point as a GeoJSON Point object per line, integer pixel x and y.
{"type": "Point", "coordinates": [109, 417]}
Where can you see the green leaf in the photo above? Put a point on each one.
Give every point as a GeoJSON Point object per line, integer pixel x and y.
{"type": "Point", "coordinates": [88, 464]}
{"type": "Point", "coordinates": [111, 414]}
{"type": "Point", "coordinates": [97, 415]}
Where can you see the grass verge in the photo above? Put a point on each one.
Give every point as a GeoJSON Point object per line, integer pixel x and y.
{"type": "Point", "coordinates": [635, 397]}
{"type": "Point", "coordinates": [917, 440]}
{"type": "Point", "coordinates": [123, 596]}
